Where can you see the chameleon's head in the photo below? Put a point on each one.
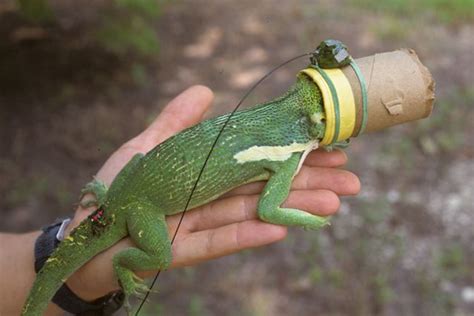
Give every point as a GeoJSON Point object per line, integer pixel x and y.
{"type": "Point", "coordinates": [312, 105]}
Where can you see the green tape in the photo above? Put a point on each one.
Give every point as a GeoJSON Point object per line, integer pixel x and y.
{"type": "Point", "coordinates": [336, 104]}
{"type": "Point", "coordinates": [363, 90]}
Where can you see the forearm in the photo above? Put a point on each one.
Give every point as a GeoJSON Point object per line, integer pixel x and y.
{"type": "Point", "coordinates": [17, 272]}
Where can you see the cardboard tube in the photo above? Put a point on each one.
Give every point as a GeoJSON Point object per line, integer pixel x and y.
{"type": "Point", "coordinates": [399, 89]}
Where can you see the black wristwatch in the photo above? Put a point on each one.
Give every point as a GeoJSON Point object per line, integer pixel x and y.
{"type": "Point", "coordinates": [64, 297]}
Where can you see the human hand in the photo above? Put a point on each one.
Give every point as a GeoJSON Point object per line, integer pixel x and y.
{"type": "Point", "coordinates": [224, 226]}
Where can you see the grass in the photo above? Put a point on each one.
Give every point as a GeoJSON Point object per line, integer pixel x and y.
{"type": "Point", "coordinates": [452, 264]}
{"type": "Point", "coordinates": [445, 130]}
{"type": "Point", "coordinates": [446, 11]}
{"type": "Point", "coordinates": [392, 28]}
{"type": "Point", "coordinates": [126, 27]}
{"type": "Point", "coordinates": [131, 35]}
{"type": "Point", "coordinates": [196, 306]}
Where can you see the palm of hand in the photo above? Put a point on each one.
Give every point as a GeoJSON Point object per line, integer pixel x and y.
{"type": "Point", "coordinates": [226, 225]}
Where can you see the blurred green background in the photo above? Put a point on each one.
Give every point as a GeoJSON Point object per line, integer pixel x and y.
{"type": "Point", "coordinates": [78, 78]}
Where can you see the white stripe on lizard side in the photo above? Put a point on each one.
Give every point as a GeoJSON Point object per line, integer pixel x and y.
{"type": "Point", "coordinates": [314, 145]}
{"type": "Point", "coordinates": [273, 153]}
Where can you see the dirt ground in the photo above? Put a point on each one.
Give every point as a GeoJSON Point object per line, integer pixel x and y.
{"type": "Point", "coordinates": [404, 246]}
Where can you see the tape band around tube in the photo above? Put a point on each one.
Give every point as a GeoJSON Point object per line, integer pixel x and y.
{"type": "Point", "coordinates": [339, 103]}
{"type": "Point", "coordinates": [335, 98]}
{"type": "Point", "coordinates": [363, 91]}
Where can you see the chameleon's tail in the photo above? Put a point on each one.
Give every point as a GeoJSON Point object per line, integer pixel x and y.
{"type": "Point", "coordinates": [84, 243]}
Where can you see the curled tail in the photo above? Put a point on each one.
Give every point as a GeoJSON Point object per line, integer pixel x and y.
{"type": "Point", "coordinates": [83, 244]}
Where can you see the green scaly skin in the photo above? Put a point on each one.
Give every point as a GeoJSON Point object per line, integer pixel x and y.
{"type": "Point", "coordinates": [158, 184]}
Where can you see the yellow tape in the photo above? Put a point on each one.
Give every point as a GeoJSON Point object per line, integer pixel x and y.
{"type": "Point", "coordinates": [346, 100]}
{"type": "Point", "coordinates": [328, 104]}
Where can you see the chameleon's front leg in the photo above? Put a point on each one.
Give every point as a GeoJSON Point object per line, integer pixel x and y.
{"type": "Point", "coordinates": [148, 230]}
{"type": "Point", "coordinates": [99, 189]}
{"type": "Point", "coordinates": [275, 193]}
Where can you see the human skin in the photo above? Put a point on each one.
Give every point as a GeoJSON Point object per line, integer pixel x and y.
{"type": "Point", "coordinates": [222, 227]}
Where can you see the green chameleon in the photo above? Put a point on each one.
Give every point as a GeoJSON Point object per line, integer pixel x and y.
{"type": "Point", "coordinates": [267, 142]}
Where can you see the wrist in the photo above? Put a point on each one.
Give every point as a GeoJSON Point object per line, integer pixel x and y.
{"type": "Point", "coordinates": [67, 298]}
{"type": "Point", "coordinates": [88, 284]}
{"type": "Point", "coordinates": [95, 278]}
{"type": "Point", "coordinates": [17, 272]}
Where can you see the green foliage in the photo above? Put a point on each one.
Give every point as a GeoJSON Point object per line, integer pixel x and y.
{"type": "Point", "coordinates": [133, 34]}
{"type": "Point", "coordinates": [25, 188]}
{"type": "Point", "coordinates": [383, 290]}
{"type": "Point", "coordinates": [36, 10]}
{"type": "Point", "coordinates": [139, 74]}
{"type": "Point", "coordinates": [376, 211]}
{"type": "Point", "coordinates": [196, 306]}
{"type": "Point", "coordinates": [128, 27]}
{"type": "Point", "coordinates": [150, 8]}
{"type": "Point", "coordinates": [155, 309]}
{"type": "Point", "coordinates": [447, 11]}
{"type": "Point", "coordinates": [316, 274]}
{"type": "Point", "coordinates": [393, 28]}
{"type": "Point", "coordinates": [445, 130]}
{"type": "Point", "coordinates": [452, 263]}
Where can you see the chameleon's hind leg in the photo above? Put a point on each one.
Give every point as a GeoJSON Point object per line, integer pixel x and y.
{"type": "Point", "coordinates": [148, 229]}
{"type": "Point", "coordinates": [275, 193]}
{"type": "Point", "coordinates": [98, 189]}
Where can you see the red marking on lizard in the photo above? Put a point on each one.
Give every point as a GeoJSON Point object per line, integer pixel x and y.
{"type": "Point", "coordinates": [99, 221]}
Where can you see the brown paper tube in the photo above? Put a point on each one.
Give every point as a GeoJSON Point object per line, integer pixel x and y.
{"type": "Point", "coordinates": [399, 89]}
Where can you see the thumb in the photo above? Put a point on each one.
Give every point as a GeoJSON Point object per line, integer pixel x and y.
{"type": "Point", "coordinates": [185, 110]}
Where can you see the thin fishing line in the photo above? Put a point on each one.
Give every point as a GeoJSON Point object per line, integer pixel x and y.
{"type": "Point", "coordinates": [209, 155]}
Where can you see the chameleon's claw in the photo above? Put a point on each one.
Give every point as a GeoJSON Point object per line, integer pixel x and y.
{"type": "Point", "coordinates": [323, 221]}
{"type": "Point", "coordinates": [88, 203]}
{"type": "Point", "coordinates": [338, 145]}
{"type": "Point", "coordinates": [132, 284]}
{"type": "Point", "coordinates": [98, 189]}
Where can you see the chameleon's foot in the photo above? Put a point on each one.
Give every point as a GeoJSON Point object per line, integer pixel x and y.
{"type": "Point", "coordinates": [149, 231]}
{"type": "Point", "coordinates": [319, 223]}
{"type": "Point", "coordinates": [338, 145]}
{"type": "Point", "coordinates": [131, 284]}
{"type": "Point", "coordinates": [98, 189]}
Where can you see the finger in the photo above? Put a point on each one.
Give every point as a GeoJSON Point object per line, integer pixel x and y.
{"type": "Point", "coordinates": [191, 249]}
{"type": "Point", "coordinates": [322, 158]}
{"type": "Point", "coordinates": [185, 110]}
{"type": "Point", "coordinates": [341, 182]}
{"type": "Point", "coordinates": [214, 243]}
{"type": "Point", "coordinates": [243, 208]}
